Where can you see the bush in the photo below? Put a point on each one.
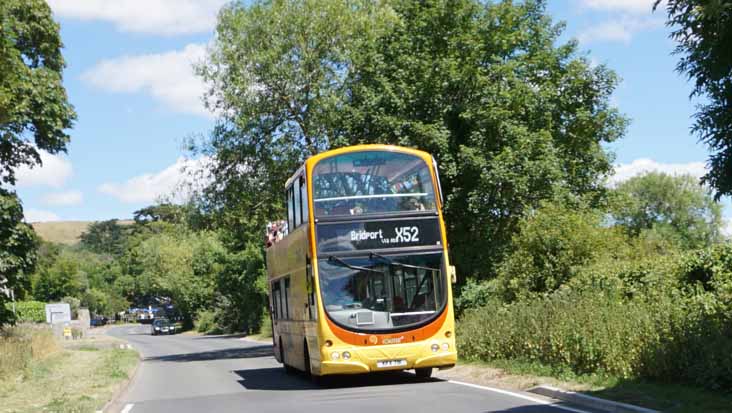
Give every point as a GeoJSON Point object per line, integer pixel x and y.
{"type": "Point", "coordinates": [74, 304]}
{"type": "Point", "coordinates": [552, 247]}
{"type": "Point", "coordinates": [661, 337]}
{"type": "Point", "coordinates": [29, 311]}
{"type": "Point", "coordinates": [265, 329]}
{"type": "Point", "coordinates": [206, 322]}
{"type": "Point", "coordinates": [476, 294]}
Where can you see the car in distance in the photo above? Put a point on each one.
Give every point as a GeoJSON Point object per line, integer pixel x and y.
{"type": "Point", "coordinates": [162, 326]}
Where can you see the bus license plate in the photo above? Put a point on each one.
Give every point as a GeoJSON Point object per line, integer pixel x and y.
{"type": "Point", "coordinates": [391, 363]}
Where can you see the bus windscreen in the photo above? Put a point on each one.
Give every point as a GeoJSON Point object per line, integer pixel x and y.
{"type": "Point", "coordinates": [382, 293]}
{"type": "Point", "coordinates": [372, 182]}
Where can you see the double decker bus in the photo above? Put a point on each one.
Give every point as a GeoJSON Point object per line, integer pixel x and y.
{"type": "Point", "coordinates": [362, 282]}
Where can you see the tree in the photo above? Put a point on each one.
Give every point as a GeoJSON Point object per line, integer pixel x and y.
{"type": "Point", "coordinates": [33, 101]}
{"type": "Point", "coordinates": [676, 208]}
{"type": "Point", "coordinates": [512, 116]}
{"type": "Point", "coordinates": [703, 31]}
{"type": "Point", "coordinates": [241, 290]}
{"type": "Point", "coordinates": [275, 74]}
{"type": "Point", "coordinates": [18, 245]}
{"type": "Point", "coordinates": [106, 237]}
{"type": "Point", "coordinates": [176, 264]}
{"type": "Point", "coordinates": [63, 278]}
{"type": "Point", "coordinates": [553, 246]}
{"type": "Point", "coordinates": [174, 214]}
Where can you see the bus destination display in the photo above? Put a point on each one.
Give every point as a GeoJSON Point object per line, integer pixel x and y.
{"type": "Point", "coordinates": [370, 235]}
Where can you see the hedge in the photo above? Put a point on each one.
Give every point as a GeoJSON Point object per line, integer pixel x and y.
{"type": "Point", "coordinates": [29, 311]}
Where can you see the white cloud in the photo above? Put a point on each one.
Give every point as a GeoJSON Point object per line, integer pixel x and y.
{"type": "Point", "coordinates": [165, 17]}
{"type": "Point", "coordinates": [643, 165]}
{"type": "Point", "coordinates": [173, 182]}
{"type": "Point", "coordinates": [55, 171]}
{"type": "Point", "coordinates": [37, 215]}
{"type": "Point", "coordinates": [626, 6]}
{"type": "Point", "coordinates": [66, 198]}
{"type": "Point", "coordinates": [621, 29]}
{"type": "Point", "coordinates": [168, 77]}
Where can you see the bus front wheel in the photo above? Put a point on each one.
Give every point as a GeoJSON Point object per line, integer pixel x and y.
{"type": "Point", "coordinates": [423, 372]}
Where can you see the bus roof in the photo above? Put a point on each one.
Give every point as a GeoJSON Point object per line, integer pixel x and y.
{"type": "Point", "coordinates": [311, 161]}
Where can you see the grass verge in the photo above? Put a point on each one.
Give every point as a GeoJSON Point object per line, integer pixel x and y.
{"type": "Point", "coordinates": [72, 380]}
{"type": "Point", "coordinates": [666, 397]}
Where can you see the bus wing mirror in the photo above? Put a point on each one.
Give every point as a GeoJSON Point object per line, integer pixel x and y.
{"type": "Point", "coordinates": [453, 274]}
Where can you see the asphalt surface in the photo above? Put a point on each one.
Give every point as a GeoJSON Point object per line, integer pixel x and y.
{"type": "Point", "coordinates": [182, 373]}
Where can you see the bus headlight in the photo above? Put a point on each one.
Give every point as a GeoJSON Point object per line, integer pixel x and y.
{"type": "Point", "coordinates": [346, 355]}
{"type": "Point", "coordinates": [335, 355]}
{"type": "Point", "coordinates": [435, 348]}
{"type": "Point", "coordinates": [445, 346]}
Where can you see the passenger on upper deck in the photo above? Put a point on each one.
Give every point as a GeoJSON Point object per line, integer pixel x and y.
{"type": "Point", "coordinates": [275, 232]}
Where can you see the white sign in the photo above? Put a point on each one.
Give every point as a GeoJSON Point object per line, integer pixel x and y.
{"type": "Point", "coordinates": [58, 313]}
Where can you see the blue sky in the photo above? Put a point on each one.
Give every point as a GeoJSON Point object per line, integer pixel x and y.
{"type": "Point", "coordinates": [129, 76]}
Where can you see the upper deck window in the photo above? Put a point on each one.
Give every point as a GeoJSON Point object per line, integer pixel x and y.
{"type": "Point", "coordinates": [372, 182]}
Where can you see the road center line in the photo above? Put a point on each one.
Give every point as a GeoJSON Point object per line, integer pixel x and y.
{"type": "Point", "coordinates": [519, 395]}
{"type": "Point", "coordinates": [128, 408]}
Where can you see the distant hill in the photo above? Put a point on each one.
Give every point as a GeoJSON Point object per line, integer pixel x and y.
{"type": "Point", "coordinates": [65, 232]}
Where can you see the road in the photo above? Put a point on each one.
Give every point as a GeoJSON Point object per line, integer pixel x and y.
{"type": "Point", "coordinates": [183, 373]}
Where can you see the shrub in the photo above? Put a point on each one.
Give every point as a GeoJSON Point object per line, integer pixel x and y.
{"type": "Point", "coordinates": [29, 311]}
{"type": "Point", "coordinates": [552, 246]}
{"type": "Point", "coordinates": [265, 329]}
{"type": "Point", "coordinates": [664, 336]}
{"type": "Point", "coordinates": [206, 322]}
{"type": "Point", "coordinates": [476, 294]}
{"type": "Point", "coordinates": [74, 304]}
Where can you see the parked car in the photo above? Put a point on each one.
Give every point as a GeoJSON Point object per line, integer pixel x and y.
{"type": "Point", "coordinates": [162, 326]}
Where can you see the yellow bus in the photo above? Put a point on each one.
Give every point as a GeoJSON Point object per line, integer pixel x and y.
{"type": "Point", "coordinates": [361, 280]}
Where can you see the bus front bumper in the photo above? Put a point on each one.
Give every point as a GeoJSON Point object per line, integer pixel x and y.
{"type": "Point", "coordinates": [363, 363]}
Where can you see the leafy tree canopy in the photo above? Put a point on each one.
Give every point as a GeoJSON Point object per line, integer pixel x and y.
{"type": "Point", "coordinates": [511, 116]}
{"type": "Point", "coordinates": [676, 208]}
{"type": "Point", "coordinates": [34, 111]}
{"type": "Point", "coordinates": [276, 74]}
{"type": "Point", "coordinates": [106, 237]}
{"type": "Point", "coordinates": [703, 32]}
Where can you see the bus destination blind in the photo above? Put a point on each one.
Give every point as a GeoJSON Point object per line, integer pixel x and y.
{"type": "Point", "coordinates": [373, 235]}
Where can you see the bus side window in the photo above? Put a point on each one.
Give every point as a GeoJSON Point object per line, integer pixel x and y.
{"type": "Point", "coordinates": [297, 211]}
{"type": "Point", "coordinates": [304, 199]}
{"type": "Point", "coordinates": [287, 298]}
{"type": "Point", "coordinates": [290, 210]}
{"type": "Point", "coordinates": [311, 289]}
{"type": "Point", "coordinates": [276, 300]}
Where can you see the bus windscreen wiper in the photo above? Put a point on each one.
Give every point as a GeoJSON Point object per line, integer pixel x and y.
{"type": "Point", "coordinates": [332, 258]}
{"type": "Point", "coordinates": [399, 264]}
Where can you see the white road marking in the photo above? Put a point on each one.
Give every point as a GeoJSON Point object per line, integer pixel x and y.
{"type": "Point", "coordinates": [128, 408]}
{"type": "Point", "coordinates": [519, 395]}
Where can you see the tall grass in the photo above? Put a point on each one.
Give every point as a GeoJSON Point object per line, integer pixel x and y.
{"type": "Point", "coordinates": [21, 344]}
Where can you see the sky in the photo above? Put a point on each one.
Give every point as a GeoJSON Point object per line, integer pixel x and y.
{"type": "Point", "coordinates": [131, 80]}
